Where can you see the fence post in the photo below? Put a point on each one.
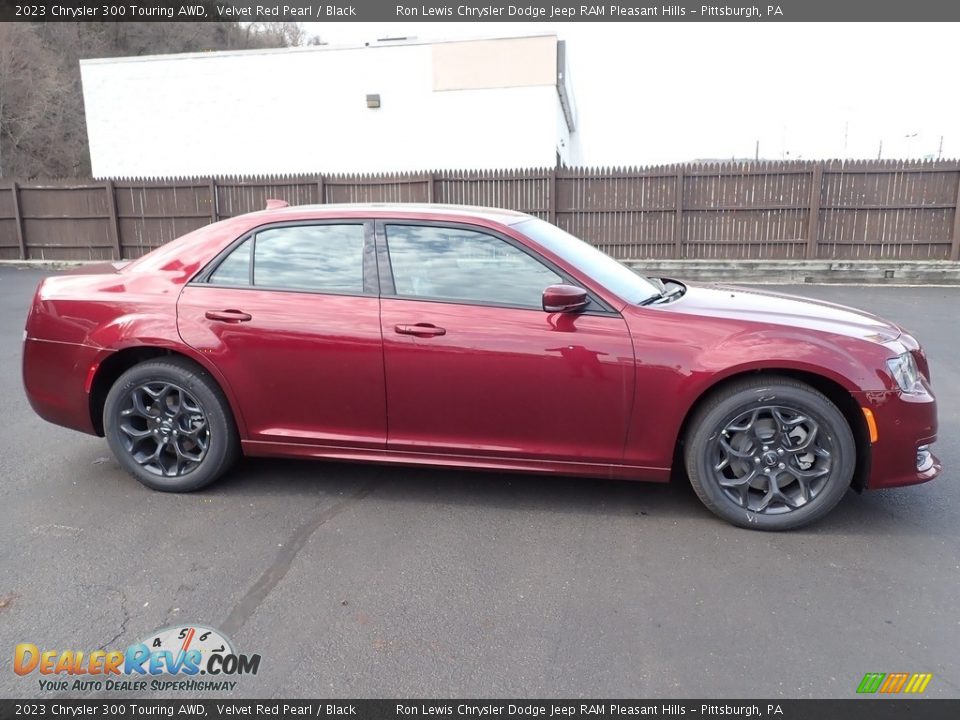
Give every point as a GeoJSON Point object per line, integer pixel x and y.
{"type": "Point", "coordinates": [955, 245]}
{"type": "Point", "coordinates": [813, 222]}
{"type": "Point", "coordinates": [320, 191]}
{"type": "Point", "coordinates": [552, 193]}
{"type": "Point", "coordinates": [678, 220]}
{"type": "Point", "coordinates": [18, 220]}
{"type": "Point", "coordinates": [214, 211]}
{"type": "Point", "coordinates": [114, 220]}
{"type": "Point", "coordinates": [430, 180]}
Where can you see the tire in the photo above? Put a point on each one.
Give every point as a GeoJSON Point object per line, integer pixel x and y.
{"type": "Point", "coordinates": [169, 425]}
{"type": "Point", "coordinates": [769, 453]}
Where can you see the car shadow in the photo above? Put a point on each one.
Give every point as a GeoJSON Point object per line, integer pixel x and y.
{"type": "Point", "coordinates": [873, 514]}
{"type": "Point", "coordinates": [534, 492]}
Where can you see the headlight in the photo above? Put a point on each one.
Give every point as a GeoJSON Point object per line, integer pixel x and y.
{"type": "Point", "coordinates": [904, 370]}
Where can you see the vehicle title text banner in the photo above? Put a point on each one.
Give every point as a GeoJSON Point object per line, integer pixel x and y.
{"type": "Point", "coordinates": [556, 11]}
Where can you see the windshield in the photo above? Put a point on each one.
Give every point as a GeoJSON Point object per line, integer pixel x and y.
{"type": "Point", "coordinates": [614, 276]}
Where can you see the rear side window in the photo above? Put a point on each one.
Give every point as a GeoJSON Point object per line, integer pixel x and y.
{"type": "Point", "coordinates": [453, 264]}
{"type": "Point", "coordinates": [317, 258]}
{"type": "Point", "coordinates": [235, 268]}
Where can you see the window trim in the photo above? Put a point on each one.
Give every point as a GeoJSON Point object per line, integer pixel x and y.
{"type": "Point", "coordinates": [371, 286]}
{"type": "Point", "coordinates": [596, 306]}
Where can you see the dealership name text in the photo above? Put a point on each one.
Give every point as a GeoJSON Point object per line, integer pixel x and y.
{"type": "Point", "coordinates": [606, 709]}
{"type": "Point", "coordinates": [572, 11]}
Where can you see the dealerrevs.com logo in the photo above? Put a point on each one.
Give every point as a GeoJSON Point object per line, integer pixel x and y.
{"type": "Point", "coordinates": [169, 659]}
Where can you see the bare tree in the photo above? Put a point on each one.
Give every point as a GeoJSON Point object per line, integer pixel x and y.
{"type": "Point", "coordinates": [39, 108]}
{"type": "Point", "coordinates": [282, 34]}
{"type": "Point", "coordinates": [42, 123]}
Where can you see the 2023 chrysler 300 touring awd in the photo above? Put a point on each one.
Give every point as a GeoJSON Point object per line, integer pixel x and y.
{"type": "Point", "coordinates": [480, 338]}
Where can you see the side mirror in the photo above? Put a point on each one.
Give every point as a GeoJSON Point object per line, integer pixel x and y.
{"type": "Point", "coordinates": [564, 298]}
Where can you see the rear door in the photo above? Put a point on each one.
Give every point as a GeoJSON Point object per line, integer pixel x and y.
{"type": "Point", "coordinates": [475, 367]}
{"type": "Point", "coordinates": [290, 316]}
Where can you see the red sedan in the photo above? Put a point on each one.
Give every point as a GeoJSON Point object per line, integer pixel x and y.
{"type": "Point", "coordinates": [474, 338]}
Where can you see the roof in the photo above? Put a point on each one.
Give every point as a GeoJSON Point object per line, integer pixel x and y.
{"type": "Point", "coordinates": [498, 215]}
{"type": "Point", "coordinates": [309, 49]}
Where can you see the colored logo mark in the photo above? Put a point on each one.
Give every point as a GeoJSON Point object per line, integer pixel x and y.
{"type": "Point", "coordinates": [894, 683]}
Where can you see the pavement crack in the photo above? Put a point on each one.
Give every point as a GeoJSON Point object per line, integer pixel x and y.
{"type": "Point", "coordinates": [125, 618]}
{"type": "Point", "coordinates": [259, 591]}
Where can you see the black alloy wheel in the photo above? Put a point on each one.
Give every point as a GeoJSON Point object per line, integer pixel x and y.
{"type": "Point", "coordinates": [166, 431]}
{"type": "Point", "coordinates": [170, 425]}
{"type": "Point", "coordinates": [769, 453]}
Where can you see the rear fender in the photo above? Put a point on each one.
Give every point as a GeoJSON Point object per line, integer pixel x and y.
{"type": "Point", "coordinates": [155, 330]}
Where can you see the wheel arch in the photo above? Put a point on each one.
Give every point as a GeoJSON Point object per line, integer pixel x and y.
{"type": "Point", "coordinates": [833, 390]}
{"type": "Point", "coordinates": [111, 367]}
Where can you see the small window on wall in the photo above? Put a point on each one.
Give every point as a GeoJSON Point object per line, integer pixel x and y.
{"type": "Point", "coordinates": [454, 264]}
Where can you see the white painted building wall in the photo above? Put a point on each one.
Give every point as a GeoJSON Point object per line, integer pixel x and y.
{"type": "Point", "coordinates": [304, 110]}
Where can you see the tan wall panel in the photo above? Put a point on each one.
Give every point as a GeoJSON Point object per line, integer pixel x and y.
{"type": "Point", "coordinates": [509, 62]}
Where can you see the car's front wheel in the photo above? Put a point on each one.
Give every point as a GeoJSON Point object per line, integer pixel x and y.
{"type": "Point", "coordinates": [769, 453]}
{"type": "Point", "coordinates": [170, 426]}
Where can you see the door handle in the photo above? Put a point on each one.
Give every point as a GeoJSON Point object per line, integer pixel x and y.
{"type": "Point", "coordinates": [420, 330]}
{"type": "Point", "coordinates": [228, 315]}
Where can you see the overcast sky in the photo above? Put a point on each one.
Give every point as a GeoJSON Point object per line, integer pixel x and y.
{"type": "Point", "coordinates": [650, 93]}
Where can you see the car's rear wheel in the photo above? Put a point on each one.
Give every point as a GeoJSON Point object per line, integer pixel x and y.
{"type": "Point", "coordinates": [170, 426]}
{"type": "Point", "coordinates": [769, 453]}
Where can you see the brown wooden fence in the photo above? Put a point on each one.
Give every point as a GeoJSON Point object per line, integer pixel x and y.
{"type": "Point", "coordinates": [898, 210]}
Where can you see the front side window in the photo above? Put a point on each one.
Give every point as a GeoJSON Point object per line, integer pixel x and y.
{"type": "Point", "coordinates": [613, 275]}
{"type": "Point", "coordinates": [453, 264]}
{"type": "Point", "coordinates": [318, 258]}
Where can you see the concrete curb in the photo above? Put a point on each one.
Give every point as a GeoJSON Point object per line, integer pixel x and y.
{"type": "Point", "coordinates": [799, 272]}
{"type": "Point", "coordinates": [45, 264]}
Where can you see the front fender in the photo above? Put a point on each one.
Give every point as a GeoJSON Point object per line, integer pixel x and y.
{"type": "Point", "coordinates": [851, 363]}
{"type": "Point", "coordinates": [678, 366]}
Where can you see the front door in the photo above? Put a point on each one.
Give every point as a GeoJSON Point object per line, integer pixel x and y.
{"type": "Point", "coordinates": [475, 367]}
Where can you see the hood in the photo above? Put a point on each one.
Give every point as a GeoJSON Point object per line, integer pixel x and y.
{"type": "Point", "coordinates": [742, 304]}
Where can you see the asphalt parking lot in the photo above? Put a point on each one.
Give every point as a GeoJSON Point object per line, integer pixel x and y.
{"type": "Point", "coordinates": [357, 581]}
